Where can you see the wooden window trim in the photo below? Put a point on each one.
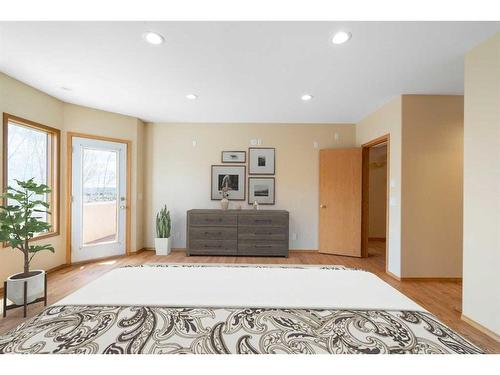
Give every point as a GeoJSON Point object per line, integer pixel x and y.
{"type": "Point", "coordinates": [53, 173]}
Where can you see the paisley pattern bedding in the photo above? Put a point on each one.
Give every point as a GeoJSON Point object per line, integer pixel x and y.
{"type": "Point", "coordinates": [75, 329]}
{"type": "Point", "coordinates": [158, 330]}
{"type": "Point", "coordinates": [334, 267]}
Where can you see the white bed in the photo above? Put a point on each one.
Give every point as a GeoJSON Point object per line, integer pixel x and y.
{"type": "Point", "coordinates": [206, 308]}
{"type": "Point", "coordinates": [208, 285]}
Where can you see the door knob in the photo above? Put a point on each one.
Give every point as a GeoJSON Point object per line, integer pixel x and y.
{"type": "Point", "coordinates": [322, 206]}
{"type": "Point", "coordinates": [123, 207]}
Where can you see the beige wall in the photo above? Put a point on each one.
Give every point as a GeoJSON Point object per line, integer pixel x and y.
{"type": "Point", "coordinates": [432, 186]}
{"type": "Point", "coordinates": [481, 264]}
{"type": "Point", "coordinates": [377, 192]}
{"type": "Point", "coordinates": [24, 101]}
{"type": "Point", "coordinates": [387, 120]}
{"type": "Point", "coordinates": [178, 174]}
{"type": "Point", "coordinates": [425, 168]}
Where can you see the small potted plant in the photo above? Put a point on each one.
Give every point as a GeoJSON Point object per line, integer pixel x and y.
{"type": "Point", "coordinates": [19, 223]}
{"type": "Point", "coordinates": [163, 226]}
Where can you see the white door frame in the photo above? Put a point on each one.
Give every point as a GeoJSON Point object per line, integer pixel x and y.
{"type": "Point", "coordinates": [69, 170]}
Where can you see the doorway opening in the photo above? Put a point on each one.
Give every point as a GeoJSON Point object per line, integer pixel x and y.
{"type": "Point", "coordinates": [377, 200]}
{"type": "Point", "coordinates": [375, 196]}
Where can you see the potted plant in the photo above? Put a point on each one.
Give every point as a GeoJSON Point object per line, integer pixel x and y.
{"type": "Point", "coordinates": [18, 225]}
{"type": "Point", "coordinates": [163, 226]}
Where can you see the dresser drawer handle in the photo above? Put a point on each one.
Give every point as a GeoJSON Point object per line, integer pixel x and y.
{"type": "Point", "coordinates": [211, 247]}
{"type": "Point", "coordinates": [268, 233]}
{"type": "Point", "coordinates": [263, 220]}
{"type": "Point", "coordinates": [263, 246]}
{"type": "Point", "coordinates": [218, 233]}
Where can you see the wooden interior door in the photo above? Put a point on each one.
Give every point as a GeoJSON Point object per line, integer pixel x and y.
{"type": "Point", "coordinates": [340, 189]}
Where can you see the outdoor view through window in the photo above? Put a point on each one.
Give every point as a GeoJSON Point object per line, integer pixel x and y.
{"type": "Point", "coordinates": [100, 196]}
{"type": "Point", "coordinates": [28, 157]}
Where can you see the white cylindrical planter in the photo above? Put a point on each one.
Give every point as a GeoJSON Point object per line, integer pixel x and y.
{"type": "Point", "coordinates": [162, 246]}
{"type": "Point", "coordinates": [15, 287]}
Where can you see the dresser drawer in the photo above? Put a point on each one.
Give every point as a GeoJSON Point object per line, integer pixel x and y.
{"type": "Point", "coordinates": [213, 233]}
{"type": "Point", "coordinates": [237, 232]}
{"type": "Point", "coordinates": [263, 220]}
{"type": "Point", "coordinates": [263, 248]}
{"type": "Point", "coordinates": [223, 247]}
{"type": "Point", "coordinates": [212, 219]}
{"type": "Point", "coordinates": [262, 233]}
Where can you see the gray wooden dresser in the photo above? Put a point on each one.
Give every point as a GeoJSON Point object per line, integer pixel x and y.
{"type": "Point", "coordinates": [237, 232]}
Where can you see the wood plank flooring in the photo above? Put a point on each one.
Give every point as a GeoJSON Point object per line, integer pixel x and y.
{"type": "Point", "coordinates": [442, 298]}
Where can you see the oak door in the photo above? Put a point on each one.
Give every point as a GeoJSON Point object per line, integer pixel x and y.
{"type": "Point", "coordinates": [340, 177]}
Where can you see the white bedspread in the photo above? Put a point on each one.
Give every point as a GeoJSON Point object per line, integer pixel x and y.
{"type": "Point", "coordinates": [241, 286]}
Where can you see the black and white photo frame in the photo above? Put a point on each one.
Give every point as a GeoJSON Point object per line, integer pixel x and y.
{"type": "Point", "coordinates": [236, 176]}
{"type": "Point", "coordinates": [261, 190]}
{"type": "Point", "coordinates": [261, 161]}
{"type": "Point", "coordinates": [233, 157]}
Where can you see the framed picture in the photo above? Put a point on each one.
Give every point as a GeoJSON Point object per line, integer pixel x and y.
{"type": "Point", "coordinates": [261, 190]}
{"type": "Point", "coordinates": [261, 160]}
{"type": "Point", "coordinates": [231, 176]}
{"type": "Point", "coordinates": [234, 157]}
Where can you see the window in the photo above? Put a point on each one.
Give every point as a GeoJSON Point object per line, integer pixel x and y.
{"type": "Point", "coordinates": [31, 150]}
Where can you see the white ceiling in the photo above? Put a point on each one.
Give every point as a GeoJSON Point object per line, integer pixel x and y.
{"type": "Point", "coordinates": [241, 71]}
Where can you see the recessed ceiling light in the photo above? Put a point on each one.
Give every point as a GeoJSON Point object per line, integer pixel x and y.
{"type": "Point", "coordinates": [306, 97]}
{"type": "Point", "coordinates": [153, 38]}
{"type": "Point", "coordinates": [191, 96]}
{"type": "Point", "coordinates": [341, 37]}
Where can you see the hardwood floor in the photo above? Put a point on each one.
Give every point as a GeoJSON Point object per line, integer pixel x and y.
{"type": "Point", "coordinates": [442, 298]}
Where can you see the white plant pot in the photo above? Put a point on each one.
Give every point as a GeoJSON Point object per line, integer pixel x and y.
{"type": "Point", "coordinates": [162, 246]}
{"type": "Point", "coordinates": [15, 287]}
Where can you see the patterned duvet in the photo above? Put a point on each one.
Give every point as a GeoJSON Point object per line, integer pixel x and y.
{"type": "Point", "coordinates": [169, 330]}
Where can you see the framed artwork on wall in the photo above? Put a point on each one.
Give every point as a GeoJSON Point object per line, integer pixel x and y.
{"type": "Point", "coordinates": [261, 190]}
{"type": "Point", "coordinates": [261, 160]}
{"type": "Point", "coordinates": [232, 176]}
{"type": "Point", "coordinates": [234, 157]}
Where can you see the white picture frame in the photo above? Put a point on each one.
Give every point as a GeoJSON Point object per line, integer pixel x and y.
{"type": "Point", "coordinates": [237, 175]}
{"type": "Point", "coordinates": [234, 157]}
{"type": "Point", "coordinates": [261, 161]}
{"type": "Point", "coordinates": [261, 190]}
